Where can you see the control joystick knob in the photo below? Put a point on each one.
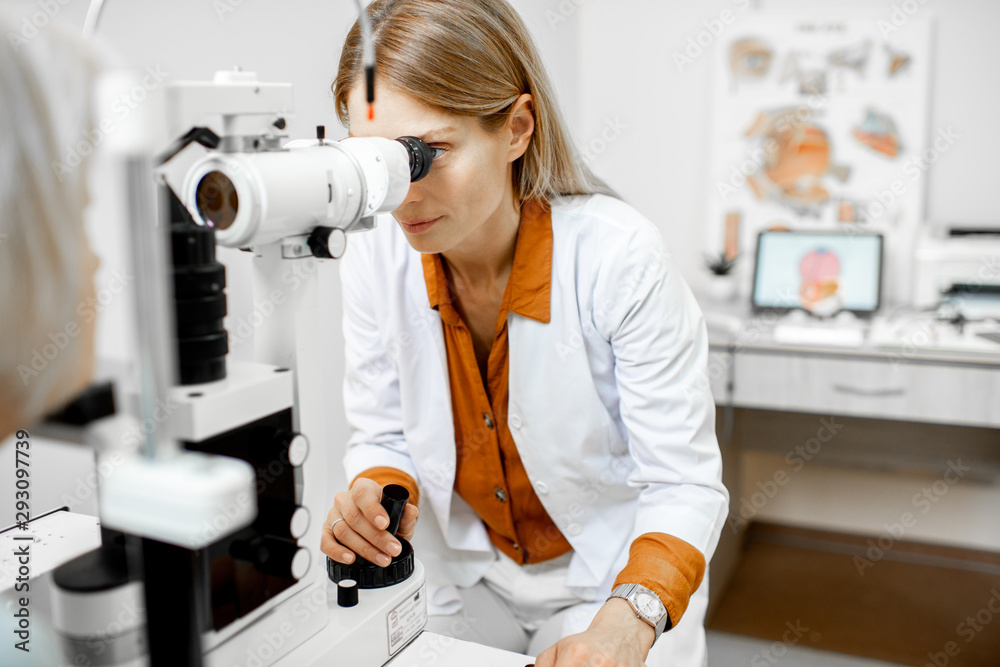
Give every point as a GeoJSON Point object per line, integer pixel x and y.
{"type": "Point", "coordinates": [394, 499]}
{"type": "Point", "coordinates": [370, 575]}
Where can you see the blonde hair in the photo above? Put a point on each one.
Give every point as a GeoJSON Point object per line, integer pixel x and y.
{"type": "Point", "coordinates": [471, 58]}
{"type": "Point", "coordinates": [45, 109]}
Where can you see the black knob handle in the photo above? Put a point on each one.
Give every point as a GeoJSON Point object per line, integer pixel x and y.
{"type": "Point", "coordinates": [327, 242]}
{"type": "Point", "coordinates": [369, 575]}
{"type": "Point", "coordinates": [347, 593]}
{"type": "Point", "coordinates": [394, 499]}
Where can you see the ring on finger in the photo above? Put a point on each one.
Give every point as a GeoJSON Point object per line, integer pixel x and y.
{"type": "Point", "coordinates": [334, 524]}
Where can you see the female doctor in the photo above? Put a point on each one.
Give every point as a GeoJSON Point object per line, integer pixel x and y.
{"type": "Point", "coordinates": [524, 357]}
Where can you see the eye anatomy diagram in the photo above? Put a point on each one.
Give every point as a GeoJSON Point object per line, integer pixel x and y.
{"type": "Point", "coordinates": [820, 288]}
{"type": "Point", "coordinates": [814, 120]}
{"type": "Point", "coordinates": [796, 160]}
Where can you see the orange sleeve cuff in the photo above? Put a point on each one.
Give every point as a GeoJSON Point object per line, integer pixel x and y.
{"type": "Point", "coordinates": [666, 565]}
{"type": "Point", "coordinates": [386, 475]}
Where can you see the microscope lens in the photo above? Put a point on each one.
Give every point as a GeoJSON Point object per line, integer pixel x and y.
{"type": "Point", "coordinates": [217, 200]}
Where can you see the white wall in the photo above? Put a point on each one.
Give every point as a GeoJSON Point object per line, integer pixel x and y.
{"type": "Point", "coordinates": [964, 93]}
{"type": "Point", "coordinates": [660, 162]}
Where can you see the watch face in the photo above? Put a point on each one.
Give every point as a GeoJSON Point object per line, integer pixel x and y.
{"type": "Point", "coordinates": [648, 605]}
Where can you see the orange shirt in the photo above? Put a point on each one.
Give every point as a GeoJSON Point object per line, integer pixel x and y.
{"type": "Point", "coordinates": [489, 474]}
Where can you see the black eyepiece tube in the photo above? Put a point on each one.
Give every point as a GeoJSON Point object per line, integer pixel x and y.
{"type": "Point", "coordinates": [394, 499]}
{"type": "Point", "coordinates": [421, 157]}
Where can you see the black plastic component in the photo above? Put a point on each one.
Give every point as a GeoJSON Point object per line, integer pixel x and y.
{"type": "Point", "coordinates": [319, 242]}
{"type": "Point", "coordinates": [280, 557]}
{"type": "Point", "coordinates": [370, 575]}
{"type": "Point", "coordinates": [250, 551]}
{"type": "Point", "coordinates": [421, 157]}
{"type": "Point", "coordinates": [201, 135]}
{"type": "Point", "coordinates": [974, 231]}
{"type": "Point", "coordinates": [199, 298]}
{"type": "Point", "coordinates": [394, 499]}
{"type": "Point", "coordinates": [173, 586]}
{"type": "Point", "coordinates": [103, 569]}
{"type": "Point", "coordinates": [321, 132]}
{"type": "Point", "coordinates": [95, 402]}
{"type": "Point", "coordinates": [280, 123]}
{"type": "Point", "coordinates": [268, 554]}
{"type": "Point", "coordinates": [370, 84]}
{"type": "Point", "coordinates": [347, 593]}
{"type": "Point", "coordinates": [274, 517]}
{"type": "Point", "coordinates": [971, 288]}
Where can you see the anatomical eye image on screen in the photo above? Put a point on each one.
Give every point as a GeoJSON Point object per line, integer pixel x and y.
{"type": "Point", "coordinates": [820, 288]}
{"type": "Point", "coordinates": [821, 273]}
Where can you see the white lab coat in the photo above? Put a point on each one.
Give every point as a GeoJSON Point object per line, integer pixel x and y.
{"type": "Point", "coordinates": [610, 407]}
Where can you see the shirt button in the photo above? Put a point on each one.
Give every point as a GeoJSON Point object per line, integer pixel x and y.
{"type": "Point", "coordinates": [517, 547]}
{"type": "Point", "coordinates": [573, 529]}
{"type": "Point", "coordinates": [488, 420]}
{"type": "Point", "coordinates": [500, 494]}
{"type": "Point", "coordinates": [541, 487]}
{"type": "Point", "coordinates": [515, 421]}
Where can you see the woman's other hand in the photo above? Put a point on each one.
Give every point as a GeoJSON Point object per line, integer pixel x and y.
{"type": "Point", "coordinates": [362, 530]}
{"type": "Point", "coordinates": [615, 638]}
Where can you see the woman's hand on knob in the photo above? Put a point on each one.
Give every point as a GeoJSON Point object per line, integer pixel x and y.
{"type": "Point", "coordinates": [362, 528]}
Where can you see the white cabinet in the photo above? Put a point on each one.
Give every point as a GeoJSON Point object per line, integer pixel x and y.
{"type": "Point", "coordinates": [877, 387]}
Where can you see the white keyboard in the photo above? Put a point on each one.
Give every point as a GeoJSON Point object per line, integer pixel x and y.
{"type": "Point", "coordinates": [819, 334]}
{"type": "Point", "coordinates": [799, 328]}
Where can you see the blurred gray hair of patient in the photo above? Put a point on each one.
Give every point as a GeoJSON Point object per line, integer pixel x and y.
{"type": "Point", "coordinates": [46, 109]}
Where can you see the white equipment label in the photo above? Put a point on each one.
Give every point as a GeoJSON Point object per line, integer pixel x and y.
{"type": "Point", "coordinates": [406, 620]}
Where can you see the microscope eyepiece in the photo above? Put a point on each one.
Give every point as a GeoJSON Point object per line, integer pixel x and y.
{"type": "Point", "coordinates": [421, 157]}
{"type": "Point", "coordinates": [260, 197]}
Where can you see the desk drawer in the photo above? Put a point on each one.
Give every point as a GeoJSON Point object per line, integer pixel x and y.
{"type": "Point", "coordinates": [882, 389]}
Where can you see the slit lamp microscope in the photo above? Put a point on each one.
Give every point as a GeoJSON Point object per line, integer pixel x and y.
{"type": "Point", "coordinates": [211, 530]}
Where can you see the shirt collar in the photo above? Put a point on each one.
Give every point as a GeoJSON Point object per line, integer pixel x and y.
{"type": "Point", "coordinates": [529, 287]}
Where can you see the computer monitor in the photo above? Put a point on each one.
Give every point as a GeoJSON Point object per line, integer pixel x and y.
{"type": "Point", "coordinates": [820, 272]}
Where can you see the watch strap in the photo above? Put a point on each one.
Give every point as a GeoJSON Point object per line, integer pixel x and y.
{"type": "Point", "coordinates": [626, 591]}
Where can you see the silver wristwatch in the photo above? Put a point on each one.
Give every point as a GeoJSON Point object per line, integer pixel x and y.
{"type": "Point", "coordinates": [646, 604]}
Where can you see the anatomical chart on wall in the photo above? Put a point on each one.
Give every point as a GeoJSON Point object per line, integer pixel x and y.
{"type": "Point", "coordinates": [819, 124]}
